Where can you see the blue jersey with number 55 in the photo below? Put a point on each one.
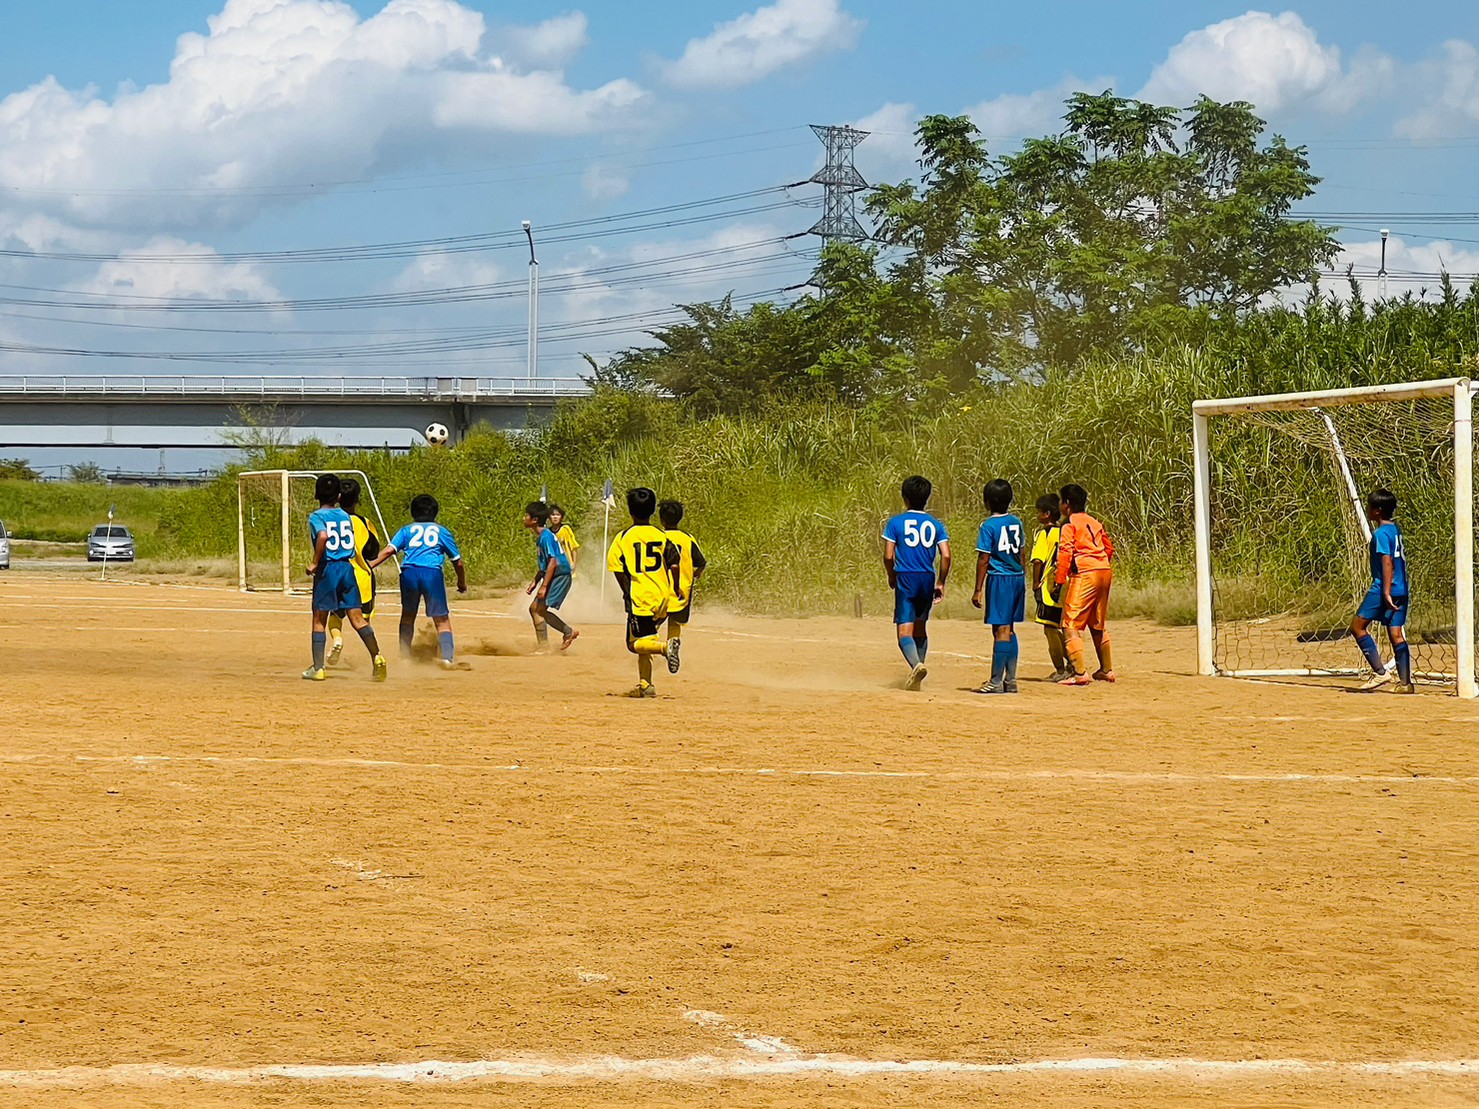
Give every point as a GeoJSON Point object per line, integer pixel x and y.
{"type": "Point", "coordinates": [916, 537]}
{"type": "Point", "coordinates": [1001, 538]}
{"type": "Point", "coordinates": [336, 524]}
{"type": "Point", "coordinates": [425, 545]}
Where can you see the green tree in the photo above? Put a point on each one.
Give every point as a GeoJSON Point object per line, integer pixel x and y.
{"type": "Point", "coordinates": [17, 469]}
{"type": "Point", "coordinates": [86, 473]}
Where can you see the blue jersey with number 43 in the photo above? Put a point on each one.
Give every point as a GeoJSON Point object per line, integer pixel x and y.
{"type": "Point", "coordinates": [425, 545]}
{"type": "Point", "coordinates": [916, 538]}
{"type": "Point", "coordinates": [335, 523]}
{"type": "Point", "coordinates": [1001, 538]}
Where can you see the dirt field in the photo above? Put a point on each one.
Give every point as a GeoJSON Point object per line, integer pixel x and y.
{"type": "Point", "coordinates": [787, 882]}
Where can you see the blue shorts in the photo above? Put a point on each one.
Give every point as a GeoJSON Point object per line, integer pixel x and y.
{"type": "Point", "coordinates": [1006, 598]}
{"type": "Point", "coordinates": [914, 597]}
{"type": "Point", "coordinates": [424, 582]}
{"type": "Point", "coordinates": [335, 588]}
{"type": "Point", "coordinates": [1374, 608]}
{"type": "Point", "coordinates": [559, 589]}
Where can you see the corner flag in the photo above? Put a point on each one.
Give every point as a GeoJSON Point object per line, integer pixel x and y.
{"type": "Point", "coordinates": [608, 495]}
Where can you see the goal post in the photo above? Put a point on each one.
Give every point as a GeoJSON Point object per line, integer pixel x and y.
{"type": "Point", "coordinates": [272, 508]}
{"type": "Point", "coordinates": [1281, 536]}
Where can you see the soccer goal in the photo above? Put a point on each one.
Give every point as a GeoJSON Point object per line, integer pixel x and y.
{"type": "Point", "coordinates": [272, 541]}
{"type": "Point", "coordinates": [1282, 535]}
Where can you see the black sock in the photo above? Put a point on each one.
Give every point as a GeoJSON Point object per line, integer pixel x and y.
{"type": "Point", "coordinates": [367, 634]}
{"type": "Point", "coordinates": [555, 622]}
{"type": "Point", "coordinates": [408, 633]}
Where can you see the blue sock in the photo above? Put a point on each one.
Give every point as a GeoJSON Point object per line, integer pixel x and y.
{"type": "Point", "coordinates": [367, 637]}
{"type": "Point", "coordinates": [999, 652]}
{"type": "Point", "coordinates": [320, 640]}
{"type": "Point", "coordinates": [1373, 656]}
{"type": "Point", "coordinates": [445, 639]}
{"type": "Point", "coordinates": [1404, 661]}
{"type": "Point", "coordinates": [922, 645]}
{"type": "Point", "coordinates": [408, 633]}
{"type": "Point", "coordinates": [911, 652]}
{"type": "Point", "coordinates": [1012, 656]}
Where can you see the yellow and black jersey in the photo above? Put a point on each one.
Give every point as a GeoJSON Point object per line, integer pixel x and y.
{"type": "Point", "coordinates": [690, 561]}
{"type": "Point", "coordinates": [646, 556]}
{"type": "Point", "coordinates": [366, 547]}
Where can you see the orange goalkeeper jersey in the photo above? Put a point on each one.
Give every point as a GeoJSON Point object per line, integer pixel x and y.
{"type": "Point", "coordinates": [1083, 545]}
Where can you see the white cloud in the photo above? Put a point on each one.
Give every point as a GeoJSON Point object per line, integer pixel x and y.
{"type": "Point", "coordinates": [210, 278]}
{"type": "Point", "coordinates": [437, 269]}
{"type": "Point", "coordinates": [1276, 62]}
{"type": "Point", "coordinates": [758, 43]}
{"type": "Point", "coordinates": [553, 43]}
{"type": "Point", "coordinates": [289, 91]}
{"type": "Point", "coordinates": [1014, 116]}
{"type": "Point", "coordinates": [604, 183]}
{"type": "Point", "coordinates": [889, 147]}
{"type": "Point", "coordinates": [1453, 104]}
{"type": "Point", "coordinates": [1411, 267]}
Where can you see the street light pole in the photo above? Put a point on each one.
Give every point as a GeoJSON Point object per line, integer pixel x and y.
{"type": "Point", "coordinates": [1381, 274]}
{"type": "Point", "coordinates": [533, 305]}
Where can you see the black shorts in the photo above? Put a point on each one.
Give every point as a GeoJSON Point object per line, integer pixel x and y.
{"type": "Point", "coordinates": [680, 616]}
{"type": "Point", "coordinates": [640, 627]}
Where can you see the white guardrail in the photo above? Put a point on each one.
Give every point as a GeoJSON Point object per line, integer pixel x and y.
{"type": "Point", "coordinates": [162, 387]}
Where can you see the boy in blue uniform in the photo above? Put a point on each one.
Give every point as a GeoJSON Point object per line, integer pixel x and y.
{"type": "Point", "coordinates": [1386, 600]}
{"type": "Point", "coordinates": [334, 586]}
{"type": "Point", "coordinates": [911, 542]}
{"type": "Point", "coordinates": [551, 577]}
{"type": "Point", "coordinates": [424, 546]}
{"type": "Point", "coordinates": [1001, 584]}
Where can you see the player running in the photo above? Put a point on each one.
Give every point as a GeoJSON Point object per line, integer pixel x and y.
{"type": "Point", "coordinates": [424, 546]}
{"type": "Point", "coordinates": [691, 565]}
{"type": "Point", "coordinates": [551, 578]}
{"type": "Point", "coordinates": [645, 563]}
{"type": "Point", "coordinates": [366, 547]}
{"type": "Point", "coordinates": [334, 586]}
{"type": "Point", "coordinates": [912, 541]}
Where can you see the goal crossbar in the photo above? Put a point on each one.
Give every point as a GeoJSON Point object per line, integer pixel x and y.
{"type": "Point", "coordinates": [285, 477]}
{"type": "Point", "coordinates": [1461, 391]}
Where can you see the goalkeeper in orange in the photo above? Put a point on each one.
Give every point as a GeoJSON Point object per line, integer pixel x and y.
{"type": "Point", "coordinates": [1085, 555]}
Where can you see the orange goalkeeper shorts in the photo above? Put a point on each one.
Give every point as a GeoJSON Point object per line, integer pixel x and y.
{"type": "Point", "coordinates": [1086, 604]}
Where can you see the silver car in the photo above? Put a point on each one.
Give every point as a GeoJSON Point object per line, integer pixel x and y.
{"type": "Point", "coordinates": [112, 542]}
{"type": "Point", "coordinates": [4, 547]}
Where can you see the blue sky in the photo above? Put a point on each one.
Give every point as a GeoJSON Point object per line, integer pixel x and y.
{"type": "Point", "coordinates": [154, 143]}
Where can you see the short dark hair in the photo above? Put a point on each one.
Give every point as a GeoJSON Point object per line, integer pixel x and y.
{"type": "Point", "coordinates": [641, 502]}
{"type": "Point", "coordinates": [1383, 502]}
{"type": "Point", "coordinates": [327, 488]}
{"type": "Point", "coordinates": [997, 494]}
{"type": "Point", "coordinates": [670, 513]}
{"type": "Point", "coordinates": [1076, 496]}
{"type": "Point", "coordinates": [537, 511]}
{"type": "Point", "coordinates": [348, 494]}
{"type": "Point", "coordinates": [917, 492]}
{"type": "Point", "coordinates": [424, 508]}
{"type": "Point", "coordinates": [554, 508]}
{"type": "Point", "coordinates": [1049, 503]}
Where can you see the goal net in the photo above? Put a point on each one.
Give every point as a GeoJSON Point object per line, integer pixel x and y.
{"type": "Point", "coordinates": [1283, 539]}
{"type": "Point", "coordinates": [273, 545]}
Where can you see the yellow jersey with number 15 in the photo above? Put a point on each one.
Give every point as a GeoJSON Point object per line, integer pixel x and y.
{"type": "Point", "coordinates": [644, 554]}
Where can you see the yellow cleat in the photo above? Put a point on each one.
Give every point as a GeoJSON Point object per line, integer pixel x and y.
{"type": "Point", "coordinates": [313, 674]}
{"type": "Point", "coordinates": [381, 669]}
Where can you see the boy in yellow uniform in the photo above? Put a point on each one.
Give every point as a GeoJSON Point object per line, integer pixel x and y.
{"type": "Point", "coordinates": [691, 565]}
{"type": "Point", "coordinates": [1044, 589]}
{"type": "Point", "coordinates": [645, 563]}
{"type": "Point", "coordinates": [366, 547]}
{"type": "Point", "coordinates": [565, 534]}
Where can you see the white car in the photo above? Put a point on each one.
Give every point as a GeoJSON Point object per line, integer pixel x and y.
{"type": "Point", "coordinates": [110, 543]}
{"type": "Point", "coordinates": [4, 547]}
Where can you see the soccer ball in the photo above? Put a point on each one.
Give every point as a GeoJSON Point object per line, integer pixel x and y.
{"type": "Point", "coordinates": [437, 434]}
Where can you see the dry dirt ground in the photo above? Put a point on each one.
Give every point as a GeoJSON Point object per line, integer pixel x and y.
{"type": "Point", "coordinates": [787, 882]}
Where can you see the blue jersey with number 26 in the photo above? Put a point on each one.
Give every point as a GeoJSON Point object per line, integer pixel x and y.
{"type": "Point", "coordinates": [334, 522]}
{"type": "Point", "coordinates": [916, 537]}
{"type": "Point", "coordinates": [1001, 538]}
{"type": "Point", "coordinates": [425, 545]}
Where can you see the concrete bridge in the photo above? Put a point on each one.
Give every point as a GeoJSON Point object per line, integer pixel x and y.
{"type": "Point", "coordinates": [202, 410]}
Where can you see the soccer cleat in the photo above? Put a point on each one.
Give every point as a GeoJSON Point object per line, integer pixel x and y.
{"type": "Point", "coordinates": [916, 677]}
{"type": "Point", "coordinates": [1059, 675]}
{"type": "Point", "coordinates": [569, 638]}
{"type": "Point", "coordinates": [1375, 682]}
{"type": "Point", "coordinates": [990, 687]}
{"type": "Point", "coordinates": [1404, 687]}
{"type": "Point", "coordinates": [643, 689]}
{"type": "Point", "coordinates": [1077, 679]}
{"type": "Point", "coordinates": [334, 652]}
{"type": "Point", "coordinates": [446, 664]}
{"type": "Point", "coordinates": [1009, 687]}
{"type": "Point", "coordinates": [1104, 676]}
{"type": "Point", "coordinates": [315, 674]}
{"type": "Point", "coordinates": [670, 652]}
{"type": "Point", "coordinates": [381, 669]}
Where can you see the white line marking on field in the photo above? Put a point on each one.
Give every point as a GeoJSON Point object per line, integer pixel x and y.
{"type": "Point", "coordinates": [1132, 777]}
{"type": "Point", "coordinates": [704, 1068]}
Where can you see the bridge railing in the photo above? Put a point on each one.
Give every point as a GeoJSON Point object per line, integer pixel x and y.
{"type": "Point", "coordinates": [51, 386]}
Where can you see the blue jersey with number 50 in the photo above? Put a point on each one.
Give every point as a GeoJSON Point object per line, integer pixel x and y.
{"type": "Point", "coordinates": [425, 545]}
{"type": "Point", "coordinates": [916, 537]}
{"type": "Point", "coordinates": [1001, 538]}
{"type": "Point", "coordinates": [335, 523]}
